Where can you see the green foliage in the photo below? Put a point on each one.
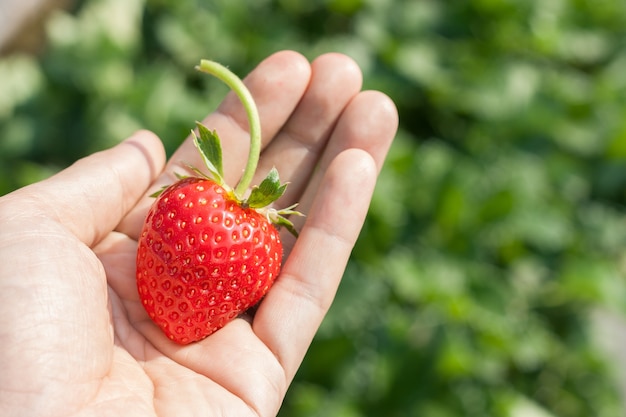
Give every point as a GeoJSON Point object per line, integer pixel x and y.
{"type": "Point", "coordinates": [209, 145]}
{"type": "Point", "coordinates": [497, 227]}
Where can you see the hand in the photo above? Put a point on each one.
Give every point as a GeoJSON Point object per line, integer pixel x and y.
{"type": "Point", "coordinates": [74, 338]}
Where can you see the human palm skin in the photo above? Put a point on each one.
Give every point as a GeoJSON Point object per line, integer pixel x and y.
{"type": "Point", "coordinates": [74, 337]}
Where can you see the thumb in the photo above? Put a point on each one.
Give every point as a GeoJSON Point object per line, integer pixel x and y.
{"type": "Point", "coordinates": [92, 196]}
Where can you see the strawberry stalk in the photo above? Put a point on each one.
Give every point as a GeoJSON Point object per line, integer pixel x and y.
{"type": "Point", "coordinates": [208, 143]}
{"type": "Point", "coordinates": [235, 84]}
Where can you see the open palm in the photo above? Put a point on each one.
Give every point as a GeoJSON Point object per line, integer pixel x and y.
{"type": "Point", "coordinates": [74, 338]}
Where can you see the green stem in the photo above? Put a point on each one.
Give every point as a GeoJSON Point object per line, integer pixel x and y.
{"type": "Point", "coordinates": [235, 84]}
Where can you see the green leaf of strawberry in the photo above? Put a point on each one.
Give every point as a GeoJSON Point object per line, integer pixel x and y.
{"type": "Point", "coordinates": [267, 192]}
{"type": "Point", "coordinates": [205, 254]}
{"type": "Point", "coordinates": [209, 146]}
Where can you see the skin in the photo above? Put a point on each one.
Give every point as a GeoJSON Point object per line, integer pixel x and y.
{"type": "Point", "coordinates": [74, 338]}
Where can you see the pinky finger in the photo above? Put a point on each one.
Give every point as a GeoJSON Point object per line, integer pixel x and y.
{"type": "Point", "coordinates": [292, 312]}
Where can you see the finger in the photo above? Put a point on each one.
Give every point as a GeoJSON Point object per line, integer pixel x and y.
{"type": "Point", "coordinates": [277, 84]}
{"type": "Point", "coordinates": [335, 80]}
{"type": "Point", "coordinates": [95, 193]}
{"type": "Point", "coordinates": [369, 123]}
{"type": "Point", "coordinates": [293, 309]}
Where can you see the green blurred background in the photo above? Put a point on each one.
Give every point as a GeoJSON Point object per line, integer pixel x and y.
{"type": "Point", "coordinates": [489, 279]}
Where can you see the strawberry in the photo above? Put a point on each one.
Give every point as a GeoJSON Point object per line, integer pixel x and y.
{"type": "Point", "coordinates": [205, 254]}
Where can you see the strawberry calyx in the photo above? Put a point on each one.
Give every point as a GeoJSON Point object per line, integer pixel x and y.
{"type": "Point", "coordinates": [260, 197]}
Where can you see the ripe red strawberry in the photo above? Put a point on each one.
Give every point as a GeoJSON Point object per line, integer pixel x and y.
{"type": "Point", "coordinates": [205, 254]}
{"type": "Point", "coordinates": [203, 259]}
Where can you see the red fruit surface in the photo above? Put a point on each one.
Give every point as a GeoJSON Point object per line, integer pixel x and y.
{"type": "Point", "coordinates": [203, 259]}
